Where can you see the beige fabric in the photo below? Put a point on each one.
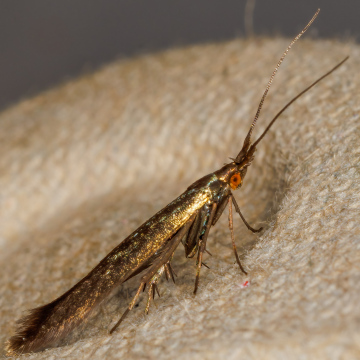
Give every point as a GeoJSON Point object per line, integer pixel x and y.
{"type": "Point", "coordinates": [84, 164]}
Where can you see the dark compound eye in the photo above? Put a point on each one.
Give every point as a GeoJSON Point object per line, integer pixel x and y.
{"type": "Point", "coordinates": [235, 181]}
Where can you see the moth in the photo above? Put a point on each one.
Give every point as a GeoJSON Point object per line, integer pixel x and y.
{"type": "Point", "coordinates": [149, 249]}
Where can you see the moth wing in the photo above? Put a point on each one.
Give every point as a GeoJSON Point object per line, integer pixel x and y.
{"type": "Point", "coordinates": [48, 324]}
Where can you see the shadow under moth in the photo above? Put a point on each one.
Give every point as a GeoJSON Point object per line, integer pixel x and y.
{"type": "Point", "coordinates": [148, 251]}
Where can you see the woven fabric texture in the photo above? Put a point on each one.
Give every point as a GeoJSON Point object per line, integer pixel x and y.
{"type": "Point", "coordinates": [86, 163]}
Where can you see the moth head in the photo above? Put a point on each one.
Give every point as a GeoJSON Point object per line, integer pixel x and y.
{"type": "Point", "coordinates": [231, 175]}
{"type": "Point", "coordinates": [236, 178]}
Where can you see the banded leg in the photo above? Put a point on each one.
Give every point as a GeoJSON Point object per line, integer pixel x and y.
{"type": "Point", "coordinates": [232, 235]}
{"type": "Point", "coordinates": [202, 245]}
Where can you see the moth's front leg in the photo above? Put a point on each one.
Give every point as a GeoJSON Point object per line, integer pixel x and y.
{"type": "Point", "coordinates": [237, 208]}
{"type": "Point", "coordinates": [232, 234]}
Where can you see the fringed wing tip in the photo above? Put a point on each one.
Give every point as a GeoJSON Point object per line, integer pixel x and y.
{"type": "Point", "coordinates": [28, 336]}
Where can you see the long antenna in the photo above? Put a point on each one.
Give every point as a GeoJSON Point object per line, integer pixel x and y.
{"type": "Point", "coordinates": [252, 148]}
{"type": "Point", "coordinates": [248, 136]}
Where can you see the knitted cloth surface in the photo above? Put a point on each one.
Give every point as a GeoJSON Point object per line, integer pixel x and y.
{"type": "Point", "coordinates": [84, 164]}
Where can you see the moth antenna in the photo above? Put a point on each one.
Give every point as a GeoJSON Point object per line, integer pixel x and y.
{"type": "Point", "coordinates": [246, 144]}
{"type": "Point", "coordinates": [253, 146]}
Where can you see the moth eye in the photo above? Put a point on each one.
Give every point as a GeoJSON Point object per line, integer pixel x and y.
{"type": "Point", "coordinates": [235, 181]}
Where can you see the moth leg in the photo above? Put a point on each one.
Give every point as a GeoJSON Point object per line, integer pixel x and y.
{"type": "Point", "coordinates": [193, 252]}
{"type": "Point", "coordinates": [168, 252]}
{"type": "Point", "coordinates": [166, 269]}
{"type": "Point", "coordinates": [168, 273]}
{"type": "Point", "coordinates": [191, 238]}
{"type": "Point", "coordinates": [220, 209]}
{"type": "Point", "coordinates": [160, 262]}
{"type": "Point", "coordinates": [153, 286]}
{"type": "Point", "coordinates": [202, 245]}
{"type": "Point", "coordinates": [132, 304]}
{"type": "Point", "coordinates": [232, 236]}
{"type": "Point", "coordinates": [242, 217]}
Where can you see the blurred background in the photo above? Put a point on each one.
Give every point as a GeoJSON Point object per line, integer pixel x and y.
{"type": "Point", "coordinates": [45, 42]}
